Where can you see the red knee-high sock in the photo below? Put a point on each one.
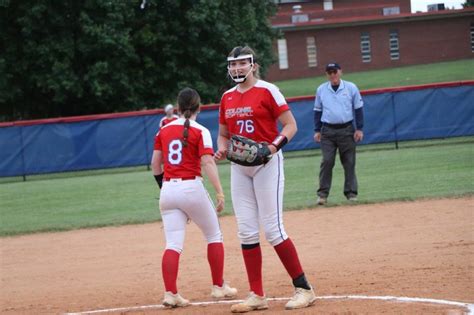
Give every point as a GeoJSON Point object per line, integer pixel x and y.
{"type": "Point", "coordinates": [286, 250]}
{"type": "Point", "coordinates": [253, 264]}
{"type": "Point", "coordinates": [215, 256]}
{"type": "Point", "coordinates": [169, 269]}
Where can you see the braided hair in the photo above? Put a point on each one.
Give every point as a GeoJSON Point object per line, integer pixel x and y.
{"type": "Point", "coordinates": [189, 102]}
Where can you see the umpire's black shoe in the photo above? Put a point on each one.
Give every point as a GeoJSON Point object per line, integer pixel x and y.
{"type": "Point", "coordinates": [352, 198]}
{"type": "Point", "coordinates": [322, 201]}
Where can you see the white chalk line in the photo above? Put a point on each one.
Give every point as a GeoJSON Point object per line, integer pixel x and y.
{"type": "Point", "coordinates": [468, 306]}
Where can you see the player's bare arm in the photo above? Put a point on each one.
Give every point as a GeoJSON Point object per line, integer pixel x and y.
{"type": "Point", "coordinates": [209, 167]}
{"type": "Point", "coordinates": [289, 129]}
{"type": "Point", "coordinates": [156, 162]}
{"type": "Point", "coordinates": [222, 141]}
{"type": "Point", "coordinates": [156, 166]}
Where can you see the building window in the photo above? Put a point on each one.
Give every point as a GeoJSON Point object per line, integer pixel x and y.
{"type": "Point", "coordinates": [327, 4]}
{"type": "Point", "coordinates": [394, 45]}
{"type": "Point", "coordinates": [365, 47]}
{"type": "Point", "coordinates": [435, 7]}
{"type": "Point", "coordinates": [282, 54]}
{"type": "Point", "coordinates": [391, 11]}
{"type": "Point", "coordinates": [472, 37]}
{"type": "Point", "coordinates": [299, 18]}
{"type": "Point", "coordinates": [311, 51]}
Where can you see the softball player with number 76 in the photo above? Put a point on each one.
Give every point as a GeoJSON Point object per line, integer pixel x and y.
{"type": "Point", "coordinates": [182, 146]}
{"type": "Point", "coordinates": [249, 138]}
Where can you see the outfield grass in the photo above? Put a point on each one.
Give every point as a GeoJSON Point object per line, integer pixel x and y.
{"type": "Point", "coordinates": [402, 76]}
{"type": "Point", "coordinates": [418, 170]}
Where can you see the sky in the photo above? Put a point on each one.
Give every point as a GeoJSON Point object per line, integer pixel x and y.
{"type": "Point", "coordinates": [420, 5]}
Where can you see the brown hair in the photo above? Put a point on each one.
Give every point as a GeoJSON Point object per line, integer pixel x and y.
{"type": "Point", "coordinates": [246, 50]}
{"type": "Point", "coordinates": [189, 102]}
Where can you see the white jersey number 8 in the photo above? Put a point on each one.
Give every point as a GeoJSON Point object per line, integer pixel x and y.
{"type": "Point", "coordinates": [175, 154]}
{"type": "Point", "coordinates": [246, 125]}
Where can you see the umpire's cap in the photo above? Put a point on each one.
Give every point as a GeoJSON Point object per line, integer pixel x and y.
{"type": "Point", "coordinates": [333, 66]}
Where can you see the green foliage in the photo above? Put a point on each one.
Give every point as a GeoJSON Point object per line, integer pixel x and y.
{"type": "Point", "coordinates": [435, 168]}
{"type": "Point", "coordinates": [64, 58]}
{"type": "Point", "coordinates": [409, 75]}
{"type": "Point", "coordinates": [468, 3]}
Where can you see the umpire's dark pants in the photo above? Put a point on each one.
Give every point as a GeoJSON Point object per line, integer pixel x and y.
{"type": "Point", "coordinates": [332, 138]}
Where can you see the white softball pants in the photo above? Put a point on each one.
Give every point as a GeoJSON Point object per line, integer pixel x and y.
{"type": "Point", "coordinates": [257, 198]}
{"type": "Point", "coordinates": [180, 200]}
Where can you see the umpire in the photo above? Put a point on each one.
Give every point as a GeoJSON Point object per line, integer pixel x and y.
{"type": "Point", "coordinates": [338, 103]}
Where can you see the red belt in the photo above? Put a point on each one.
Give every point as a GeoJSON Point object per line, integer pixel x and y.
{"type": "Point", "coordinates": [167, 179]}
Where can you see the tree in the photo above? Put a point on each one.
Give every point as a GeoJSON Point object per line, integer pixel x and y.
{"type": "Point", "coordinates": [468, 3]}
{"type": "Point", "coordinates": [62, 58]}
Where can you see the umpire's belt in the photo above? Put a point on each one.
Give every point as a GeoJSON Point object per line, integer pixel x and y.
{"type": "Point", "coordinates": [338, 126]}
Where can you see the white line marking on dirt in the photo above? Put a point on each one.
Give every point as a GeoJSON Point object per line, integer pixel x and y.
{"type": "Point", "coordinates": [468, 306]}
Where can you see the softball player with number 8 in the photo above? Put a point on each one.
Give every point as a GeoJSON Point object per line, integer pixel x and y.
{"type": "Point", "coordinates": [252, 109]}
{"type": "Point", "coordinates": [182, 146]}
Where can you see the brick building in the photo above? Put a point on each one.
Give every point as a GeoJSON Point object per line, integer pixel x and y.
{"type": "Point", "coordinates": [364, 35]}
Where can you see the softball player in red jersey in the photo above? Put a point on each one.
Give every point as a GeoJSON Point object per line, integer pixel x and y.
{"type": "Point", "coordinates": [253, 109]}
{"type": "Point", "coordinates": [182, 146]}
{"type": "Point", "coordinates": [169, 117]}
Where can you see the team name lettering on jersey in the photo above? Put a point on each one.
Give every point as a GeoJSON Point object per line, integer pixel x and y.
{"type": "Point", "coordinates": [246, 111]}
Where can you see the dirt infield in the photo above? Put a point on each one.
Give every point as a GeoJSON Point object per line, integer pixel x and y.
{"type": "Point", "coordinates": [415, 249]}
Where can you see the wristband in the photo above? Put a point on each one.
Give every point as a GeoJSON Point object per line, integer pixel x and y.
{"type": "Point", "coordinates": [159, 179]}
{"type": "Point", "coordinates": [220, 196]}
{"type": "Point", "coordinates": [280, 141]}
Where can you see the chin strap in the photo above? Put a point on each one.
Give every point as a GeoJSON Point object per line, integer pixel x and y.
{"type": "Point", "coordinates": [237, 78]}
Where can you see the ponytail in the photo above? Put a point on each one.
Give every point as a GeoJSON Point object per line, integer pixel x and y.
{"type": "Point", "coordinates": [189, 102]}
{"type": "Point", "coordinates": [187, 114]}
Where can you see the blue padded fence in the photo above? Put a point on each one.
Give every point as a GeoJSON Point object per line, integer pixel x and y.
{"type": "Point", "coordinates": [422, 113]}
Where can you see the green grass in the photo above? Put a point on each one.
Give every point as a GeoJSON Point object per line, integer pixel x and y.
{"type": "Point", "coordinates": [421, 169]}
{"type": "Point", "coordinates": [402, 76]}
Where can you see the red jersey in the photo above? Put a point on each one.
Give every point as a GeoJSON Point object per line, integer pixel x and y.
{"type": "Point", "coordinates": [180, 161]}
{"type": "Point", "coordinates": [254, 113]}
{"type": "Point", "coordinates": [165, 120]}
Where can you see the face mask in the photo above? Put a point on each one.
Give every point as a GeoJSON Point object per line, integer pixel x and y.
{"type": "Point", "coordinates": [239, 78]}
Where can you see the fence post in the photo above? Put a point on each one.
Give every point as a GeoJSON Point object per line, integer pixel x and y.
{"type": "Point", "coordinates": [145, 130]}
{"type": "Point", "coordinates": [394, 119]}
{"type": "Point", "coordinates": [22, 152]}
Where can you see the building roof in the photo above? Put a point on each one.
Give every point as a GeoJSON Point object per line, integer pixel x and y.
{"type": "Point", "coordinates": [333, 22]}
